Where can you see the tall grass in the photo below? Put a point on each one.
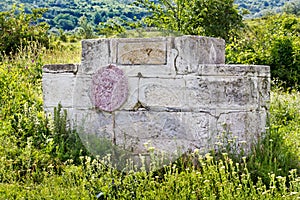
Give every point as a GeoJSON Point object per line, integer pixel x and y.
{"type": "Point", "coordinates": [36, 160]}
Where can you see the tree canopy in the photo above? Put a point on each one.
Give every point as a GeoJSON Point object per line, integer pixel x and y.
{"type": "Point", "coordinates": [217, 18]}
{"type": "Point", "coordinates": [273, 40]}
{"type": "Point", "coordinates": [18, 29]}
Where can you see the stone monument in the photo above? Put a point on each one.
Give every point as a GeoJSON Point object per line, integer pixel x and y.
{"type": "Point", "coordinates": [170, 93]}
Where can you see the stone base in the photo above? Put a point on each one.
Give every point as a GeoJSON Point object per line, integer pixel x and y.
{"type": "Point", "coordinates": [181, 96]}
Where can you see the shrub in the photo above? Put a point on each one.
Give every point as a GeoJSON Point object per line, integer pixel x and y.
{"type": "Point", "coordinates": [273, 41]}
{"type": "Point", "coordinates": [18, 29]}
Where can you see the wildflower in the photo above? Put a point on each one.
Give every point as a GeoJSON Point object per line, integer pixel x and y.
{"type": "Point", "coordinates": [26, 67]}
{"type": "Point", "coordinates": [219, 143]}
{"type": "Point", "coordinates": [196, 151]}
{"type": "Point", "coordinates": [225, 154]}
{"type": "Point", "coordinates": [151, 148]}
{"type": "Point", "coordinates": [146, 144]}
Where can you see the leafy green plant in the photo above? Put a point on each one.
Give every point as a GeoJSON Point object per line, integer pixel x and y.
{"type": "Point", "coordinates": [272, 40]}
{"type": "Point", "coordinates": [210, 18]}
{"type": "Point", "coordinates": [19, 29]}
{"type": "Point", "coordinates": [64, 141]}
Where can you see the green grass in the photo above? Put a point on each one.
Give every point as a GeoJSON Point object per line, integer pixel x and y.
{"type": "Point", "coordinates": [37, 163]}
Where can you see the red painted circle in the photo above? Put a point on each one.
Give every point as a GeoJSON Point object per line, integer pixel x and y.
{"type": "Point", "coordinates": [109, 88]}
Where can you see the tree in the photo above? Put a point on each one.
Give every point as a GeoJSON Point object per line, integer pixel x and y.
{"type": "Point", "coordinates": [274, 41]}
{"type": "Point", "coordinates": [216, 18]}
{"type": "Point", "coordinates": [18, 28]}
{"type": "Point", "coordinates": [65, 21]}
{"type": "Point", "coordinates": [85, 29]}
{"type": "Point", "coordinates": [292, 7]}
{"type": "Point", "coordinates": [111, 27]}
{"type": "Point", "coordinates": [97, 18]}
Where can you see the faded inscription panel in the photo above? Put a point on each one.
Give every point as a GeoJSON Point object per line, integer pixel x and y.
{"type": "Point", "coordinates": [142, 53]}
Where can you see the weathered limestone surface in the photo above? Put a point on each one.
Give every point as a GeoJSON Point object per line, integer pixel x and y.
{"type": "Point", "coordinates": [181, 95]}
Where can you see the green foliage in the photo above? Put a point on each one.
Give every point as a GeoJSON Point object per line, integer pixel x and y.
{"type": "Point", "coordinates": [65, 14]}
{"type": "Point", "coordinates": [18, 29]}
{"type": "Point", "coordinates": [20, 96]}
{"type": "Point", "coordinates": [65, 21]}
{"type": "Point", "coordinates": [216, 180]}
{"type": "Point", "coordinates": [292, 7]}
{"type": "Point", "coordinates": [29, 141]}
{"type": "Point", "coordinates": [112, 27]}
{"type": "Point", "coordinates": [65, 142]}
{"type": "Point", "coordinates": [210, 18]}
{"type": "Point", "coordinates": [273, 41]}
{"type": "Point", "coordinates": [86, 29]}
{"type": "Point", "coordinates": [23, 126]}
{"type": "Point", "coordinates": [278, 151]}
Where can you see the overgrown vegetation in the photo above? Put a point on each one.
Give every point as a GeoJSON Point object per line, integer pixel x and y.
{"type": "Point", "coordinates": [214, 18]}
{"type": "Point", "coordinates": [18, 29]}
{"type": "Point", "coordinates": [268, 7]}
{"type": "Point", "coordinates": [273, 41]}
{"type": "Point", "coordinates": [66, 15]}
{"type": "Point", "coordinates": [42, 158]}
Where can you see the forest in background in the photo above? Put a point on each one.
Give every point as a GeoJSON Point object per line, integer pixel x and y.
{"type": "Point", "coordinates": [65, 14]}
{"type": "Point", "coordinates": [269, 40]}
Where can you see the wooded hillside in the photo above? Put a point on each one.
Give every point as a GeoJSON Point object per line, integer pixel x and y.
{"type": "Point", "coordinates": [65, 14]}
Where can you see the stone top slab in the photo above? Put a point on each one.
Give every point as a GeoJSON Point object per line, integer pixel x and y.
{"type": "Point", "coordinates": [227, 70]}
{"type": "Point", "coordinates": [60, 68]}
{"type": "Point", "coordinates": [152, 56]}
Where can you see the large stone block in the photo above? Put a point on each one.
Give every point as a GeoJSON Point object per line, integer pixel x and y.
{"type": "Point", "coordinates": [234, 70]}
{"type": "Point", "coordinates": [241, 128]}
{"type": "Point", "coordinates": [195, 50]}
{"type": "Point", "coordinates": [147, 57]}
{"type": "Point", "coordinates": [95, 54]}
{"type": "Point", "coordinates": [93, 122]}
{"type": "Point", "coordinates": [82, 93]}
{"type": "Point", "coordinates": [181, 130]}
{"type": "Point", "coordinates": [58, 88]}
{"type": "Point", "coordinates": [222, 92]}
{"type": "Point", "coordinates": [149, 124]}
{"type": "Point", "coordinates": [133, 91]}
{"type": "Point", "coordinates": [142, 53]}
{"type": "Point", "coordinates": [133, 127]}
{"type": "Point", "coordinates": [162, 93]}
{"type": "Point", "coordinates": [61, 68]}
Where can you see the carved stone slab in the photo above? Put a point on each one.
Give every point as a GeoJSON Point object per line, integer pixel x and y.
{"type": "Point", "coordinates": [109, 88]}
{"type": "Point", "coordinates": [146, 53]}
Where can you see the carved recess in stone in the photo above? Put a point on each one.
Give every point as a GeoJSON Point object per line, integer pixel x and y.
{"type": "Point", "coordinates": [142, 53]}
{"type": "Point", "coordinates": [109, 88]}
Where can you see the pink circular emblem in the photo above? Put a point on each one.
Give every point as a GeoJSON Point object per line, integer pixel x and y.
{"type": "Point", "coordinates": [109, 88]}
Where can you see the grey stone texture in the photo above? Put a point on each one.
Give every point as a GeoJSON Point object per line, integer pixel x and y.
{"type": "Point", "coordinates": [181, 95]}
